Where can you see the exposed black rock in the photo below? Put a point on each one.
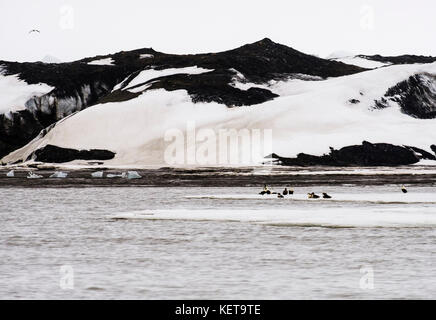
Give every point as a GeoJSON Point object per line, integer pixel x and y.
{"type": "Point", "coordinates": [422, 154]}
{"type": "Point", "coordinates": [354, 101]}
{"type": "Point", "coordinates": [214, 87]}
{"type": "Point", "coordinates": [17, 129]}
{"type": "Point", "coordinates": [367, 154]}
{"type": "Point", "coordinates": [266, 60]}
{"type": "Point", "coordinates": [54, 154]}
{"type": "Point", "coordinates": [416, 96]}
{"type": "Point", "coordinates": [403, 59]}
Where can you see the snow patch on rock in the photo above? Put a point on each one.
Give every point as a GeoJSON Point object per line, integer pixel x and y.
{"type": "Point", "coordinates": [14, 93]}
{"type": "Point", "coordinates": [102, 62]}
{"type": "Point", "coordinates": [149, 74]}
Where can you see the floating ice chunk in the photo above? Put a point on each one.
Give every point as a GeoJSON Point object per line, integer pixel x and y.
{"type": "Point", "coordinates": [149, 74]}
{"type": "Point", "coordinates": [59, 174]}
{"type": "Point", "coordinates": [133, 175]}
{"type": "Point", "coordinates": [98, 174]}
{"type": "Point", "coordinates": [10, 174]}
{"type": "Point", "coordinates": [32, 175]}
{"type": "Point", "coordinates": [111, 175]}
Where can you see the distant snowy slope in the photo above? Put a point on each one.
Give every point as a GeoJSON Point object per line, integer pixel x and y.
{"type": "Point", "coordinates": [339, 54]}
{"type": "Point", "coordinates": [50, 59]}
{"type": "Point", "coordinates": [361, 62]}
{"type": "Point", "coordinates": [356, 60]}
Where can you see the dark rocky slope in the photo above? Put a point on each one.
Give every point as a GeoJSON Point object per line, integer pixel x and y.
{"type": "Point", "coordinates": [416, 96]}
{"type": "Point", "coordinates": [366, 154]}
{"type": "Point", "coordinates": [403, 59]}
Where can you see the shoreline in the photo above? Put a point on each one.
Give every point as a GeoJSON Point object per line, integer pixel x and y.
{"type": "Point", "coordinates": [225, 177]}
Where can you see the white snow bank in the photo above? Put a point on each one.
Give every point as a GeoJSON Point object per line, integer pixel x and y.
{"type": "Point", "coordinates": [361, 62]}
{"type": "Point", "coordinates": [149, 74]}
{"type": "Point", "coordinates": [102, 62]}
{"type": "Point", "coordinates": [310, 116]}
{"type": "Point", "coordinates": [15, 92]}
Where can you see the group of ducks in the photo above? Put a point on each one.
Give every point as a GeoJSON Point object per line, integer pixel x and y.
{"type": "Point", "coordinates": [310, 195]}
{"type": "Point", "coordinates": [279, 195]}
{"type": "Point", "coordinates": [286, 192]}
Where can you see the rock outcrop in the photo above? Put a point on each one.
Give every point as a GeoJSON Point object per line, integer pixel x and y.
{"type": "Point", "coordinates": [55, 154]}
{"type": "Point", "coordinates": [403, 59]}
{"type": "Point", "coordinates": [366, 154]}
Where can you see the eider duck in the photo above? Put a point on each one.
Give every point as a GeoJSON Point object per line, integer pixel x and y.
{"type": "Point", "coordinates": [326, 196]}
{"type": "Point", "coordinates": [312, 195]}
{"type": "Point", "coordinates": [265, 190]}
{"type": "Point", "coordinates": [403, 188]}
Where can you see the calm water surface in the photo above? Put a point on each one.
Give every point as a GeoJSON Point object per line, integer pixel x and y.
{"type": "Point", "coordinates": [155, 243]}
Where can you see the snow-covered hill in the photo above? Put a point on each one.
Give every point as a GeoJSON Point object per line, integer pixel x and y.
{"type": "Point", "coordinates": [306, 103]}
{"type": "Point", "coordinates": [80, 84]}
{"type": "Point", "coordinates": [50, 59]}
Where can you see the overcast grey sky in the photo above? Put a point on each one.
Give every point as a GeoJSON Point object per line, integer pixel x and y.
{"type": "Point", "coordinates": [78, 28]}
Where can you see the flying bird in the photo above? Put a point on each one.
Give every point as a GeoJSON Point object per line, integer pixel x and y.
{"type": "Point", "coordinates": [34, 30]}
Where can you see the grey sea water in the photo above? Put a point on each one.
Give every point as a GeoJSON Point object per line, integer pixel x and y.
{"type": "Point", "coordinates": [217, 243]}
